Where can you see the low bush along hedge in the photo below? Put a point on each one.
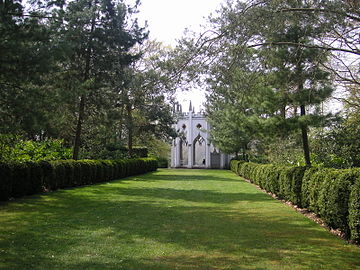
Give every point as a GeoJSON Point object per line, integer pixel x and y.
{"type": "Point", "coordinates": [19, 179]}
{"type": "Point", "coordinates": [331, 193]}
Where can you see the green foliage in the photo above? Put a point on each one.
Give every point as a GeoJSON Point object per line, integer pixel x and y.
{"type": "Point", "coordinates": [339, 145]}
{"type": "Point", "coordinates": [285, 150]}
{"type": "Point", "coordinates": [306, 186]}
{"type": "Point", "coordinates": [6, 174]}
{"type": "Point", "coordinates": [113, 151]}
{"type": "Point", "coordinates": [265, 78]}
{"type": "Point", "coordinates": [315, 183]}
{"type": "Point", "coordinates": [332, 194]}
{"type": "Point", "coordinates": [20, 179]}
{"type": "Point", "coordinates": [76, 79]}
{"type": "Point", "coordinates": [237, 99]}
{"type": "Point", "coordinates": [327, 192]}
{"type": "Point", "coordinates": [354, 210]}
{"type": "Point", "coordinates": [162, 162]}
{"type": "Point", "coordinates": [290, 182]}
{"type": "Point", "coordinates": [13, 148]}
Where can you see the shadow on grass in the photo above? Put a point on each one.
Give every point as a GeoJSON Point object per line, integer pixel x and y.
{"type": "Point", "coordinates": [193, 195]}
{"type": "Point", "coordinates": [191, 175]}
{"type": "Point", "coordinates": [112, 227]}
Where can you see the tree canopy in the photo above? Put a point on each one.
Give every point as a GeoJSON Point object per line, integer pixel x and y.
{"type": "Point", "coordinates": [77, 71]}
{"type": "Point", "coordinates": [270, 66]}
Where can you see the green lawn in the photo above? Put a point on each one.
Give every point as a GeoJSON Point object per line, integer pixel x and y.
{"type": "Point", "coordinates": [170, 219]}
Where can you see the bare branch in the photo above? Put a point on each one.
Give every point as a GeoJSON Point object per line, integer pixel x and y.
{"type": "Point", "coordinates": [356, 18]}
{"type": "Point", "coordinates": [357, 52]}
{"type": "Point", "coordinates": [30, 16]}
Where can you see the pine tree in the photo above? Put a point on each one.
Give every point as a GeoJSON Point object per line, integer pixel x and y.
{"type": "Point", "coordinates": [97, 44]}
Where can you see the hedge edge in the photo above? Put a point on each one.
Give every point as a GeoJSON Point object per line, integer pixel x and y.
{"type": "Point", "coordinates": [331, 193]}
{"type": "Point", "coordinates": [20, 179]}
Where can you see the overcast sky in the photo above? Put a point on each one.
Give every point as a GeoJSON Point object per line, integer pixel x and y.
{"type": "Point", "coordinates": [167, 20]}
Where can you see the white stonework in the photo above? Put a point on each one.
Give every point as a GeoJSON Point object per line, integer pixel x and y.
{"type": "Point", "coordinates": [192, 148]}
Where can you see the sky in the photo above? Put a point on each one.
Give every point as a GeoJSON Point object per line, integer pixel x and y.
{"type": "Point", "coordinates": [167, 20]}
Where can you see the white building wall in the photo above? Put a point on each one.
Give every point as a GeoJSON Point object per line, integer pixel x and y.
{"type": "Point", "coordinates": [189, 126]}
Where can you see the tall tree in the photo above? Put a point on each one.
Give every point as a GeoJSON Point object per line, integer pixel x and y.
{"type": "Point", "coordinates": [287, 48]}
{"type": "Point", "coordinates": [146, 96]}
{"type": "Point", "coordinates": [24, 58]}
{"type": "Point", "coordinates": [306, 83]}
{"type": "Point", "coordinates": [98, 40]}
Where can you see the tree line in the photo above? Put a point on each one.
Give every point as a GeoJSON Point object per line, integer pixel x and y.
{"type": "Point", "coordinates": [270, 69]}
{"type": "Point", "coordinates": [84, 72]}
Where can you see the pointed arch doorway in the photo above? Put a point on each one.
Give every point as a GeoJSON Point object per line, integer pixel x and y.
{"type": "Point", "coordinates": [183, 153]}
{"type": "Point", "coordinates": [199, 152]}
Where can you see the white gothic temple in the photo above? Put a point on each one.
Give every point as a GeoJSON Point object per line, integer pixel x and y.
{"type": "Point", "coordinates": [192, 148]}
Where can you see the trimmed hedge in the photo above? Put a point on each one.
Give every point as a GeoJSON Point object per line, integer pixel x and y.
{"type": "Point", "coordinates": [20, 179]}
{"type": "Point", "coordinates": [331, 193]}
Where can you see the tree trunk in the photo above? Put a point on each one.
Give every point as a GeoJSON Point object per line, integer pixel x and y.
{"type": "Point", "coordinates": [305, 139]}
{"type": "Point", "coordinates": [77, 141]}
{"type": "Point", "coordinates": [130, 129]}
{"type": "Point", "coordinates": [303, 126]}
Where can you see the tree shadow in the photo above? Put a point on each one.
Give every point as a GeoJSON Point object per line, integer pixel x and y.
{"type": "Point", "coordinates": [68, 224]}
{"type": "Point", "coordinates": [193, 195]}
{"type": "Point", "coordinates": [118, 226]}
{"type": "Point", "coordinates": [196, 176]}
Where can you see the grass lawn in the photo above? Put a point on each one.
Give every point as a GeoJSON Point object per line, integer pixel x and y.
{"type": "Point", "coordinates": [170, 219]}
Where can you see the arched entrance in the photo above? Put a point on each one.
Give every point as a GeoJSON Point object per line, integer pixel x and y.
{"type": "Point", "coordinates": [184, 153]}
{"type": "Point", "coordinates": [199, 151]}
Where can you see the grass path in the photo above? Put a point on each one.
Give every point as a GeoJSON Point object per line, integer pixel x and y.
{"type": "Point", "coordinates": [170, 219]}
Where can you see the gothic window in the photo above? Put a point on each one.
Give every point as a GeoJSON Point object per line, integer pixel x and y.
{"type": "Point", "coordinates": [198, 126]}
{"type": "Point", "coordinates": [183, 138]}
{"type": "Point", "coordinates": [200, 140]}
{"type": "Point", "coordinates": [183, 126]}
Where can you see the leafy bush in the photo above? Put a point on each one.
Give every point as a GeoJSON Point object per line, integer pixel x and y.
{"type": "Point", "coordinates": [354, 211]}
{"type": "Point", "coordinates": [14, 149]}
{"type": "Point", "coordinates": [5, 181]}
{"type": "Point", "coordinates": [290, 181]}
{"type": "Point", "coordinates": [306, 186]}
{"type": "Point", "coordinates": [113, 151]}
{"type": "Point", "coordinates": [26, 178]}
{"type": "Point", "coordinates": [162, 162]}
{"type": "Point", "coordinates": [283, 181]}
{"type": "Point", "coordinates": [333, 201]}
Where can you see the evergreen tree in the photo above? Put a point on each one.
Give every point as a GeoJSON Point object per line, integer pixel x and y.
{"type": "Point", "coordinates": [303, 83]}
{"type": "Point", "coordinates": [24, 59]}
{"type": "Point", "coordinates": [97, 42]}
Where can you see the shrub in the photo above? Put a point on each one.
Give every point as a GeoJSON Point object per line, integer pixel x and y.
{"type": "Point", "coordinates": [14, 149]}
{"type": "Point", "coordinates": [5, 181]}
{"type": "Point", "coordinates": [20, 183]}
{"type": "Point", "coordinates": [354, 211]}
{"type": "Point", "coordinates": [19, 179]}
{"type": "Point", "coordinates": [290, 181]}
{"type": "Point", "coordinates": [272, 179]}
{"type": "Point", "coordinates": [162, 162]}
{"type": "Point", "coordinates": [306, 186]}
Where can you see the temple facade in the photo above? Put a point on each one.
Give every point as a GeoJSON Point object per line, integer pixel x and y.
{"type": "Point", "coordinates": [192, 148]}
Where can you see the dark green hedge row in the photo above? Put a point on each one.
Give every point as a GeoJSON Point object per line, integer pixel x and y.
{"type": "Point", "coordinates": [331, 193]}
{"type": "Point", "coordinates": [19, 179]}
